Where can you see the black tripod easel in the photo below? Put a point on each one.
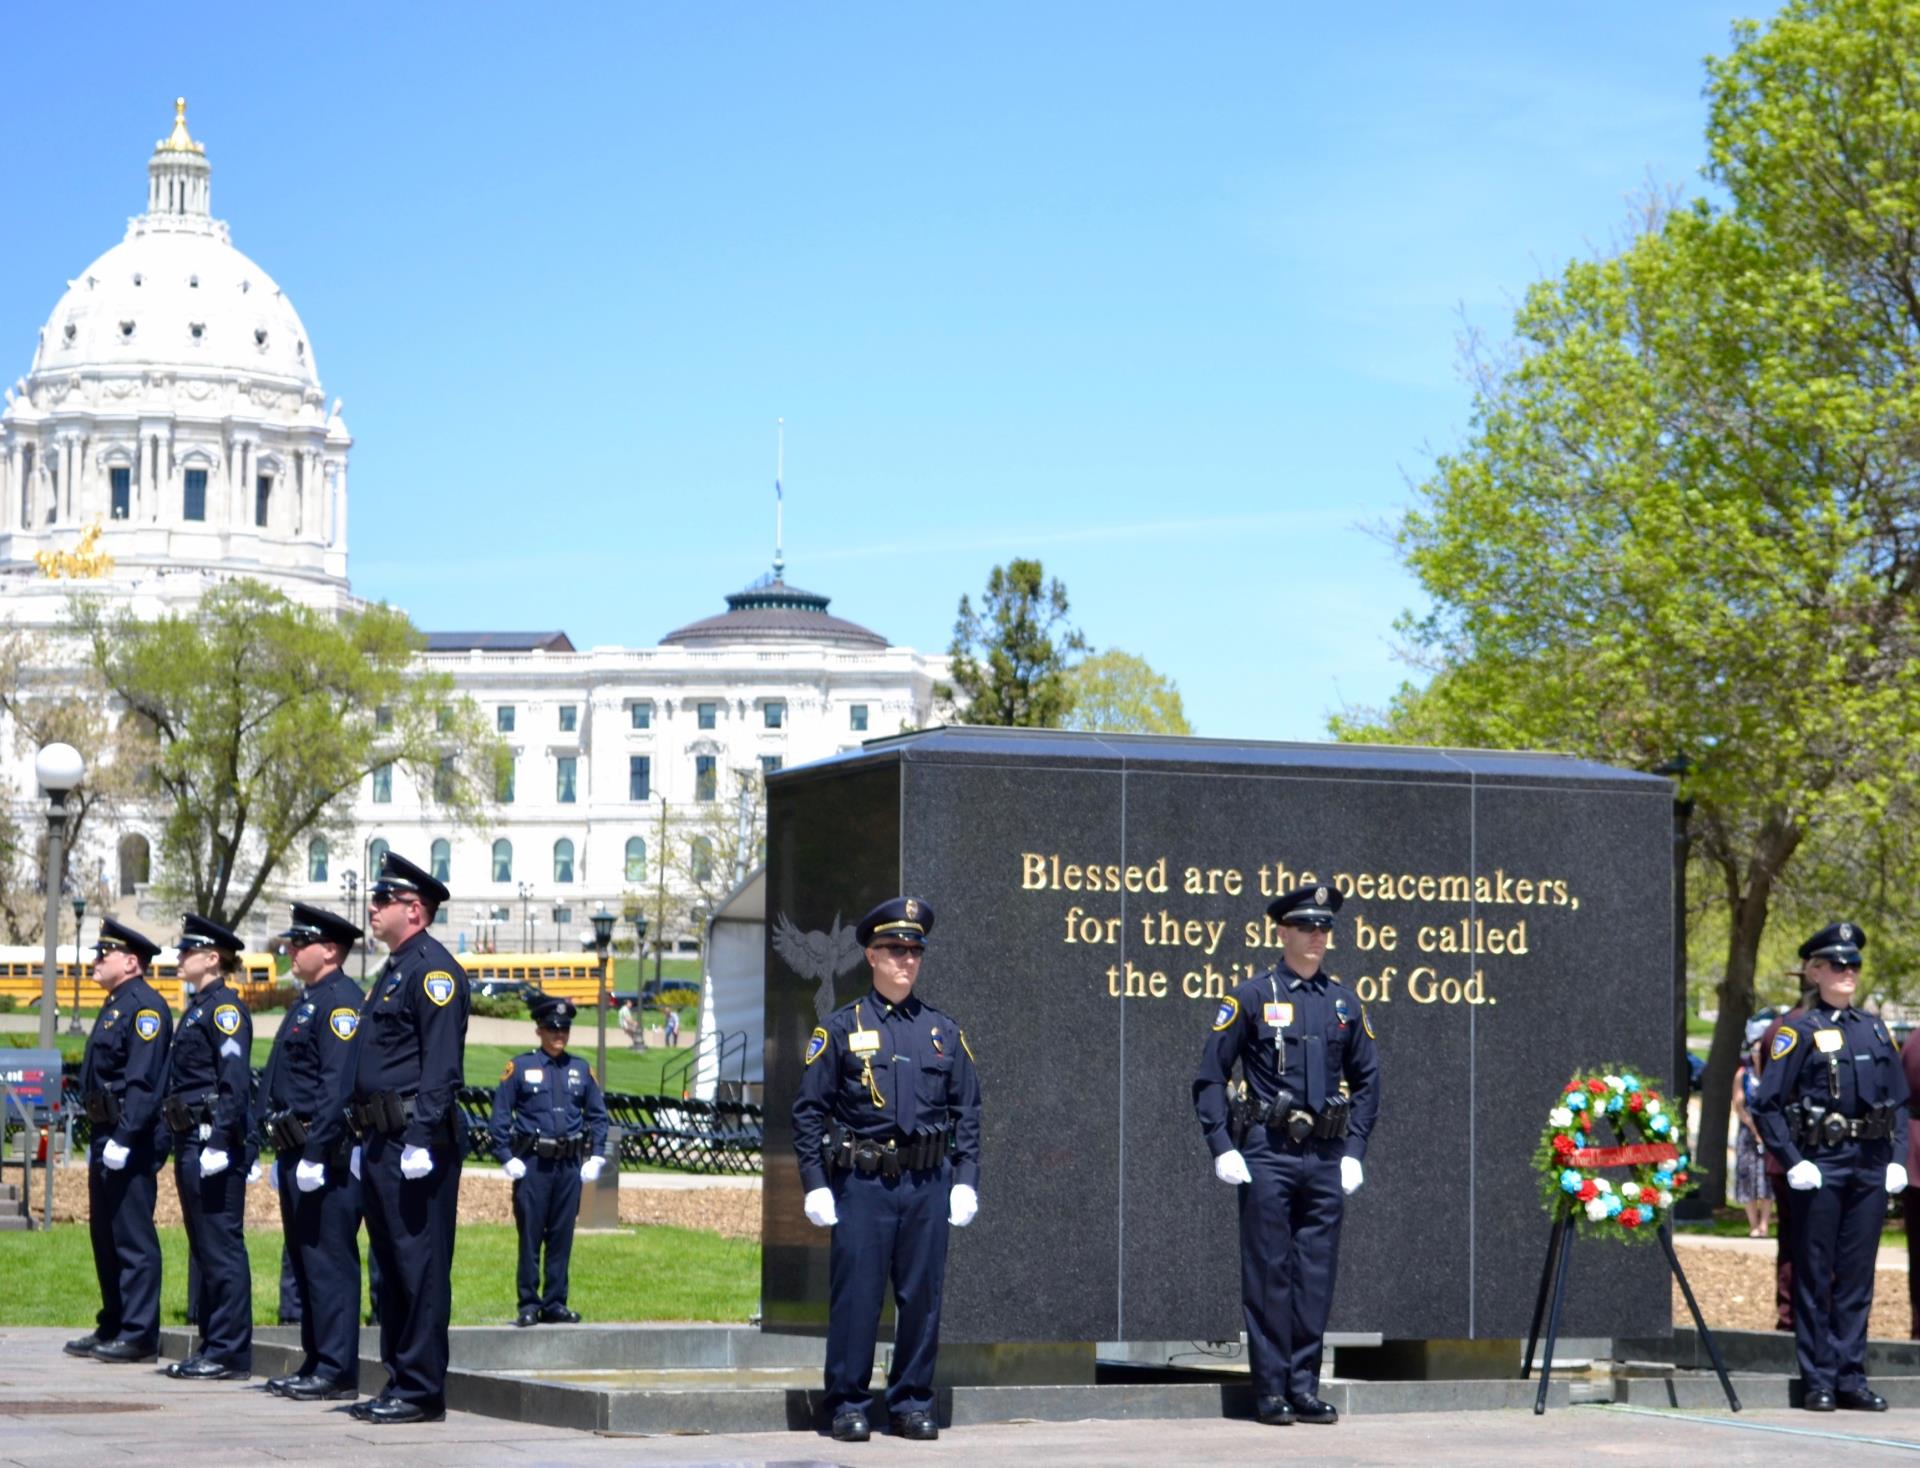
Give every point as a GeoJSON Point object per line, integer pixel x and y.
{"type": "Point", "coordinates": [1553, 1278]}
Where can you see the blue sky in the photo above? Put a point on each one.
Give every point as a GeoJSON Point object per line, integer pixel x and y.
{"type": "Point", "coordinates": [1168, 296]}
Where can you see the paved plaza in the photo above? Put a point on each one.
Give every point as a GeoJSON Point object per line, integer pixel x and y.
{"type": "Point", "coordinates": [56, 1412]}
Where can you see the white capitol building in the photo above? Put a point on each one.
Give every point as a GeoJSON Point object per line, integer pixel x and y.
{"type": "Point", "coordinates": [173, 420]}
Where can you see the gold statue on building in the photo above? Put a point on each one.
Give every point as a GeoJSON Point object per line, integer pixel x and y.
{"type": "Point", "coordinates": [84, 562]}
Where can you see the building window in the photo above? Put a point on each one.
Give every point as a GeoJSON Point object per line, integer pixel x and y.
{"type": "Point", "coordinates": [569, 717]}
{"type": "Point", "coordinates": [376, 854]}
{"type": "Point", "coordinates": [136, 863]}
{"type": "Point", "coordinates": [563, 860]}
{"type": "Point", "coordinates": [702, 859]}
{"type": "Point", "coordinates": [440, 860]}
{"type": "Point", "coordinates": [562, 916]}
{"type": "Point", "coordinates": [563, 770]}
{"type": "Point", "coordinates": [317, 859]}
{"type": "Point", "coordinates": [636, 858]}
{"type": "Point", "coordinates": [383, 785]}
{"type": "Point", "coordinates": [857, 717]}
{"type": "Point", "coordinates": [262, 499]}
{"type": "Point", "coordinates": [706, 784]}
{"type": "Point", "coordinates": [196, 502]}
{"type": "Point", "coordinates": [642, 715]}
{"type": "Point", "coordinates": [775, 714]}
{"type": "Point", "coordinates": [121, 480]}
{"type": "Point", "coordinates": [708, 713]}
{"type": "Point", "coordinates": [503, 781]}
{"type": "Point", "coordinates": [383, 717]}
{"type": "Point", "coordinates": [443, 779]}
{"type": "Point", "coordinates": [639, 776]}
{"type": "Point", "coordinates": [443, 718]}
{"type": "Point", "coordinates": [769, 763]}
{"type": "Point", "coordinates": [503, 860]}
{"type": "Point", "coordinates": [503, 718]}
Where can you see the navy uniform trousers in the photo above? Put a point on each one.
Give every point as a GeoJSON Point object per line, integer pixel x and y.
{"type": "Point", "coordinates": [215, 1211]}
{"type": "Point", "coordinates": [126, 1247]}
{"type": "Point", "coordinates": [546, 1202]}
{"type": "Point", "coordinates": [410, 1226]}
{"type": "Point", "coordinates": [888, 1230]}
{"type": "Point", "coordinates": [1836, 1235]}
{"type": "Point", "coordinates": [323, 1254]}
{"type": "Point", "coordinates": [1289, 1253]}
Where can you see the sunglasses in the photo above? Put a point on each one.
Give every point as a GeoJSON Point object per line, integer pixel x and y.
{"type": "Point", "coordinates": [381, 900]}
{"type": "Point", "coordinates": [901, 950]}
{"type": "Point", "coordinates": [1311, 927]}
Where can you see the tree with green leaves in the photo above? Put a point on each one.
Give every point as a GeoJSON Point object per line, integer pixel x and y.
{"type": "Point", "coordinates": [1011, 658]}
{"type": "Point", "coordinates": [260, 718]}
{"type": "Point", "coordinates": [1114, 692]}
{"type": "Point", "coordinates": [1683, 520]}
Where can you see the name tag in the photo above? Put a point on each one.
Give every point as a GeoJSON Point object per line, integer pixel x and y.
{"type": "Point", "coordinates": [534, 1075]}
{"type": "Point", "coordinates": [1279, 1016]}
{"type": "Point", "coordinates": [864, 1042]}
{"type": "Point", "coordinates": [1827, 1041]}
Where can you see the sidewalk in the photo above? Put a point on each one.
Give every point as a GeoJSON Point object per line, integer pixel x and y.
{"type": "Point", "coordinates": [1891, 1257]}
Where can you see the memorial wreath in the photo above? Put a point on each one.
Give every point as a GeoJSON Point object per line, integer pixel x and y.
{"type": "Point", "coordinates": [1648, 1138]}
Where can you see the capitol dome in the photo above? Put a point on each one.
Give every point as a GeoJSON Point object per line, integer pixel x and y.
{"type": "Point", "coordinates": [172, 429]}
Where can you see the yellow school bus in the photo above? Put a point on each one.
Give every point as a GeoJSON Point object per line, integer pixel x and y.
{"type": "Point", "coordinates": [20, 977]}
{"type": "Point", "coordinates": [574, 976]}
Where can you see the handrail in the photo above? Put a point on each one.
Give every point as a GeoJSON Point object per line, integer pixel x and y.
{"type": "Point", "coordinates": [29, 1133]}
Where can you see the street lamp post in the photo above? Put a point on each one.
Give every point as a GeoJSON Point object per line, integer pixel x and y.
{"type": "Point", "coordinates": [350, 889]}
{"type": "Point", "coordinates": [58, 768]}
{"type": "Point", "coordinates": [602, 945]}
{"type": "Point", "coordinates": [639, 976]}
{"type": "Point", "coordinates": [526, 917]}
{"type": "Point", "coordinates": [79, 915]}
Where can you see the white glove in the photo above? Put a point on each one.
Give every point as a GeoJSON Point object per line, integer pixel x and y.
{"type": "Point", "coordinates": [114, 1155]}
{"type": "Point", "coordinates": [254, 1174]}
{"type": "Point", "coordinates": [1896, 1178]}
{"type": "Point", "coordinates": [213, 1161]}
{"type": "Point", "coordinates": [309, 1175]}
{"type": "Point", "coordinates": [273, 1175]}
{"type": "Point", "coordinates": [591, 1169]}
{"type": "Point", "coordinates": [962, 1203]}
{"type": "Point", "coordinates": [353, 1163]}
{"type": "Point", "coordinates": [1231, 1167]}
{"type": "Point", "coordinates": [415, 1163]}
{"type": "Point", "coordinates": [1352, 1174]}
{"type": "Point", "coordinates": [516, 1169]}
{"type": "Point", "coordinates": [819, 1208]}
{"type": "Point", "coordinates": [1803, 1176]}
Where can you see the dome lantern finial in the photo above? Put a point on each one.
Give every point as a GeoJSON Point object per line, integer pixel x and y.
{"type": "Point", "coordinates": [178, 141]}
{"type": "Point", "coordinates": [179, 188]}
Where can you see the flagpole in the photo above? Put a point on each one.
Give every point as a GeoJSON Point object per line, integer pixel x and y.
{"type": "Point", "coordinates": [779, 502]}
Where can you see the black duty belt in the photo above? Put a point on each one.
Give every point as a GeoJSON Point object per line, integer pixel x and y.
{"type": "Point", "coordinates": [287, 1132]}
{"type": "Point", "coordinates": [1282, 1112]}
{"type": "Point", "coordinates": [1813, 1125]}
{"type": "Point", "coordinates": [386, 1112]}
{"type": "Point", "coordinates": [183, 1114]}
{"type": "Point", "coordinates": [887, 1156]}
{"type": "Point", "coordinates": [103, 1108]}
{"type": "Point", "coordinates": [526, 1144]}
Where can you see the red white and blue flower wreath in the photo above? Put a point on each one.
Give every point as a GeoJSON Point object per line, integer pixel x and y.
{"type": "Point", "coordinates": [1647, 1137]}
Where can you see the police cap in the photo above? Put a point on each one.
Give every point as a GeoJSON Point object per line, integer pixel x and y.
{"type": "Point", "coordinates": [116, 937]}
{"type": "Point", "coordinates": [551, 1012]}
{"type": "Point", "coordinates": [317, 925]}
{"type": "Point", "coordinates": [904, 919]}
{"type": "Point", "coordinates": [1838, 943]}
{"type": "Point", "coordinates": [1306, 907]}
{"type": "Point", "coordinates": [197, 933]}
{"type": "Point", "coordinates": [398, 875]}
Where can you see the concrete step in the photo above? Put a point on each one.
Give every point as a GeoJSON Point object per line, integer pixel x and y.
{"type": "Point", "coordinates": [14, 1223]}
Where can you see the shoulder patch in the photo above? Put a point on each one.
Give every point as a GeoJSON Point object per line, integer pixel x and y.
{"type": "Point", "coordinates": [965, 1046]}
{"type": "Point", "coordinates": [146, 1023]}
{"type": "Point", "coordinates": [1228, 1012]}
{"type": "Point", "coordinates": [439, 986]}
{"type": "Point", "coordinates": [816, 1045]}
{"type": "Point", "coordinates": [1367, 1024]}
{"type": "Point", "coordinates": [1784, 1039]}
{"type": "Point", "coordinates": [226, 1019]}
{"type": "Point", "coordinates": [343, 1022]}
{"type": "Point", "coordinates": [507, 1074]}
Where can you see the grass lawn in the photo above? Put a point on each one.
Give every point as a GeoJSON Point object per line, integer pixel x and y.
{"type": "Point", "coordinates": [1731, 1223]}
{"type": "Point", "coordinates": [638, 1274]}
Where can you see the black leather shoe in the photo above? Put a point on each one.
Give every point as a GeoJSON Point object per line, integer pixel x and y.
{"type": "Point", "coordinates": [277, 1385]}
{"type": "Point", "coordinates": [1274, 1411]}
{"type": "Point", "coordinates": [851, 1427]}
{"type": "Point", "coordinates": [1860, 1399]}
{"type": "Point", "coordinates": [528, 1316]}
{"type": "Point", "coordinates": [393, 1411]}
{"type": "Point", "coordinates": [1818, 1401]}
{"type": "Point", "coordinates": [122, 1353]}
{"type": "Point", "coordinates": [81, 1347]}
{"type": "Point", "coordinates": [1312, 1409]}
{"type": "Point", "coordinates": [364, 1410]}
{"type": "Point", "coordinates": [559, 1315]}
{"type": "Point", "coordinates": [313, 1389]}
{"type": "Point", "coordinates": [916, 1427]}
{"type": "Point", "coordinates": [205, 1368]}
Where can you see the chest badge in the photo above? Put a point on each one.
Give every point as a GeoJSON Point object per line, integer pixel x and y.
{"type": "Point", "coordinates": [939, 1045]}
{"type": "Point", "coordinates": [1278, 1016]}
{"type": "Point", "coordinates": [226, 1019]}
{"type": "Point", "coordinates": [1341, 1012]}
{"type": "Point", "coordinates": [146, 1024]}
{"type": "Point", "coordinates": [1827, 1042]}
{"type": "Point", "coordinates": [343, 1022]}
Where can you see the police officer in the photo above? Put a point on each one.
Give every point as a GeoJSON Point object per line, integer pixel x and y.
{"type": "Point", "coordinates": [548, 1114]}
{"type": "Point", "coordinates": [887, 1128]}
{"type": "Point", "coordinates": [1292, 1138]}
{"type": "Point", "coordinates": [208, 1108]}
{"type": "Point", "coordinates": [121, 1080]}
{"type": "Point", "coordinates": [1833, 1109]}
{"type": "Point", "coordinates": [401, 1089]}
{"type": "Point", "coordinates": [321, 1222]}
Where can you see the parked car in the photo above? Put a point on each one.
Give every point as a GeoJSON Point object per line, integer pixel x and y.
{"type": "Point", "coordinates": [653, 993]}
{"type": "Point", "coordinates": [502, 988]}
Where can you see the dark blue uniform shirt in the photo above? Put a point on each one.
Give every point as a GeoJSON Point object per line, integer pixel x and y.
{"type": "Point", "coordinates": [888, 1070]}
{"type": "Point", "coordinates": [542, 1096]}
{"type": "Point", "coordinates": [1842, 1058]}
{"type": "Point", "coordinates": [127, 1055]}
{"type": "Point", "coordinates": [1307, 1035]}
{"type": "Point", "coordinates": [212, 1060]}
{"type": "Point", "coordinates": [312, 1048]}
